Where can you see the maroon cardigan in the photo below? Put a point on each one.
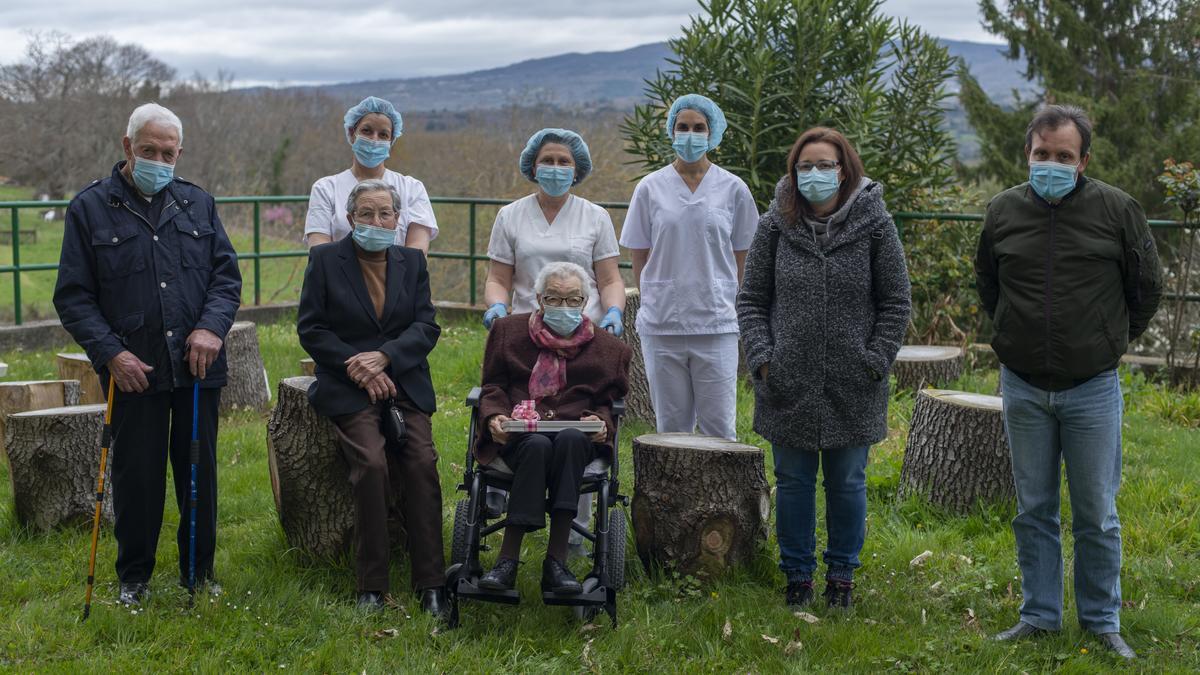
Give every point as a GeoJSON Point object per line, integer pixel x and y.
{"type": "Point", "coordinates": [595, 378]}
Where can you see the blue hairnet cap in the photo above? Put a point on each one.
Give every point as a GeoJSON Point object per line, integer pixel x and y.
{"type": "Point", "coordinates": [579, 152]}
{"type": "Point", "coordinates": [705, 106]}
{"type": "Point", "coordinates": [373, 104]}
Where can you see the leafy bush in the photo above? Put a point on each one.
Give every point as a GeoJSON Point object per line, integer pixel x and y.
{"type": "Point", "coordinates": [778, 67]}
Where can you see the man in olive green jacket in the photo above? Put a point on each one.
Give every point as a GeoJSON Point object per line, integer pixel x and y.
{"type": "Point", "coordinates": [1068, 271]}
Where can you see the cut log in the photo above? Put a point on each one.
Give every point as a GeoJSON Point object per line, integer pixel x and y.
{"type": "Point", "coordinates": [76, 366]}
{"type": "Point", "coordinates": [53, 456]}
{"type": "Point", "coordinates": [957, 455]}
{"type": "Point", "coordinates": [247, 386]}
{"type": "Point", "coordinates": [307, 367]}
{"type": "Point", "coordinates": [18, 397]}
{"type": "Point", "coordinates": [920, 366]}
{"type": "Point", "coordinates": [700, 504]}
{"type": "Point", "coordinates": [637, 401]}
{"type": "Point", "coordinates": [310, 479]}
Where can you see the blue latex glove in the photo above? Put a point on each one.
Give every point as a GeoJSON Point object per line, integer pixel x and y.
{"type": "Point", "coordinates": [613, 321]}
{"type": "Point", "coordinates": [496, 311]}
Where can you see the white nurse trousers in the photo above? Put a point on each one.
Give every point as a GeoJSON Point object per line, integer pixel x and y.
{"type": "Point", "coordinates": [693, 380]}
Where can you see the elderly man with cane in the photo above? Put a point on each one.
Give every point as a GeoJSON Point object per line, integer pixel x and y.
{"type": "Point", "coordinates": [148, 284]}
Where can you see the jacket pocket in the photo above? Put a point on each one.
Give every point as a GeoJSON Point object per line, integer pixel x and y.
{"type": "Point", "coordinates": [195, 243]}
{"type": "Point", "coordinates": [118, 253]}
{"type": "Point", "coordinates": [1106, 331]}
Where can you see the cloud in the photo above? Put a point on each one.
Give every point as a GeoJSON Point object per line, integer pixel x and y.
{"type": "Point", "coordinates": [305, 41]}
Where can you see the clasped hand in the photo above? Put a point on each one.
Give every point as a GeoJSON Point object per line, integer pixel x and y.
{"type": "Point", "coordinates": [369, 371]}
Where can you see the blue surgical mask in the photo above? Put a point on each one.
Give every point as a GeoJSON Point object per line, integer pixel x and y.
{"type": "Point", "coordinates": [690, 145]}
{"type": "Point", "coordinates": [562, 320]}
{"type": "Point", "coordinates": [817, 186]}
{"type": "Point", "coordinates": [371, 238]}
{"type": "Point", "coordinates": [1052, 180]}
{"type": "Point", "coordinates": [150, 176]}
{"type": "Point", "coordinates": [555, 180]}
{"type": "Point", "coordinates": [371, 153]}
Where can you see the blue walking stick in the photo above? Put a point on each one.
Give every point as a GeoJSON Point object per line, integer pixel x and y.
{"type": "Point", "coordinates": [194, 452]}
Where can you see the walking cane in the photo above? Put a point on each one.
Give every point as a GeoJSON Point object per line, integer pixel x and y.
{"type": "Point", "coordinates": [105, 442]}
{"type": "Point", "coordinates": [194, 453]}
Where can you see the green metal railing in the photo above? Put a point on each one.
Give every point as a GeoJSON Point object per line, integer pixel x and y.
{"type": "Point", "coordinates": [472, 255]}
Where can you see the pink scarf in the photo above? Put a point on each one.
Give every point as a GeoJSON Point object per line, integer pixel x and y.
{"type": "Point", "coordinates": [549, 374]}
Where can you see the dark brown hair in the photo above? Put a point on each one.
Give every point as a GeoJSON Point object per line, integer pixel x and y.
{"type": "Point", "coordinates": [790, 203]}
{"type": "Point", "coordinates": [1053, 116]}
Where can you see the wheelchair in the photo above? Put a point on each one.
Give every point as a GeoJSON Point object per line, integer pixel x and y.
{"type": "Point", "coordinates": [607, 575]}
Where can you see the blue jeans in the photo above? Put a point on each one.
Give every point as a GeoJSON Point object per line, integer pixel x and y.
{"type": "Point", "coordinates": [796, 508]}
{"type": "Point", "coordinates": [1081, 428]}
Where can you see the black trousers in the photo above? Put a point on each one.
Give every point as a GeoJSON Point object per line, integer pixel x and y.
{"type": "Point", "coordinates": [542, 465]}
{"type": "Point", "coordinates": [147, 431]}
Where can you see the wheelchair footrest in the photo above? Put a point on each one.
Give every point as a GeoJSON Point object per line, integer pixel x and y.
{"type": "Point", "coordinates": [593, 594]}
{"type": "Point", "coordinates": [467, 588]}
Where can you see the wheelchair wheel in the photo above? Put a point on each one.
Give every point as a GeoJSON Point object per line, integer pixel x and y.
{"type": "Point", "coordinates": [458, 542]}
{"type": "Point", "coordinates": [616, 549]}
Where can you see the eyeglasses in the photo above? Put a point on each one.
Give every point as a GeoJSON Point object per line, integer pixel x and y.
{"type": "Point", "coordinates": [823, 165]}
{"type": "Point", "coordinates": [574, 302]}
{"type": "Point", "coordinates": [385, 215]}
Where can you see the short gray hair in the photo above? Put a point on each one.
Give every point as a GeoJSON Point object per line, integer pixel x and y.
{"type": "Point", "coordinates": [372, 185]}
{"type": "Point", "coordinates": [152, 112]}
{"type": "Point", "coordinates": [1053, 116]}
{"type": "Point", "coordinates": [562, 270]}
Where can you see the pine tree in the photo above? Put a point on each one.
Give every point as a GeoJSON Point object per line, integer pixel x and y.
{"type": "Point", "coordinates": [778, 67]}
{"type": "Point", "coordinates": [1134, 65]}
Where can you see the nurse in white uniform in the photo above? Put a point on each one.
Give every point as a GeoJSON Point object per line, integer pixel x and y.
{"type": "Point", "coordinates": [688, 228]}
{"type": "Point", "coordinates": [553, 225]}
{"type": "Point", "coordinates": [372, 128]}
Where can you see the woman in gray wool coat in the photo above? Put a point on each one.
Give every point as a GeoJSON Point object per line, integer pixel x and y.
{"type": "Point", "coordinates": [823, 309]}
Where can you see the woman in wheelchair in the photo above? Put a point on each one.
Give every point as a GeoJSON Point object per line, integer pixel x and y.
{"type": "Point", "coordinates": [552, 364]}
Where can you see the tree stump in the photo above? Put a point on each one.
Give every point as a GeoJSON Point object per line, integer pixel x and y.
{"type": "Point", "coordinates": [700, 504]}
{"type": "Point", "coordinates": [637, 401]}
{"type": "Point", "coordinates": [53, 457]}
{"type": "Point", "coordinates": [18, 397]}
{"type": "Point", "coordinates": [76, 366]}
{"type": "Point", "coordinates": [957, 454]}
{"type": "Point", "coordinates": [307, 367]}
{"type": "Point", "coordinates": [919, 366]}
{"type": "Point", "coordinates": [247, 386]}
{"type": "Point", "coordinates": [310, 479]}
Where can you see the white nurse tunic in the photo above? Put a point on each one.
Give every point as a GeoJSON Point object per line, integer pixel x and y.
{"type": "Point", "coordinates": [327, 205]}
{"type": "Point", "coordinates": [689, 284]}
{"type": "Point", "coordinates": [581, 233]}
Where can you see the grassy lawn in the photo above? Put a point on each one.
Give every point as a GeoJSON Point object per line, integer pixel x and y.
{"type": "Point", "coordinates": [282, 611]}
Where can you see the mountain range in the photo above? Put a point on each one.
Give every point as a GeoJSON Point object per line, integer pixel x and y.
{"type": "Point", "coordinates": [607, 79]}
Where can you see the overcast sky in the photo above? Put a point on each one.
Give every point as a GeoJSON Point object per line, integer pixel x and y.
{"type": "Point", "coordinates": [305, 41]}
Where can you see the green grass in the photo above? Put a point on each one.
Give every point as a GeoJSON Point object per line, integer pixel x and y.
{"type": "Point", "coordinates": [282, 611]}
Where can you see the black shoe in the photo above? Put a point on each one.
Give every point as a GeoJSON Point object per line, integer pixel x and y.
{"type": "Point", "coordinates": [799, 593]}
{"type": "Point", "coordinates": [502, 577]}
{"type": "Point", "coordinates": [839, 594]}
{"type": "Point", "coordinates": [494, 503]}
{"type": "Point", "coordinates": [1114, 642]}
{"type": "Point", "coordinates": [206, 585]}
{"type": "Point", "coordinates": [370, 601]}
{"type": "Point", "coordinates": [133, 594]}
{"type": "Point", "coordinates": [1020, 631]}
{"type": "Point", "coordinates": [433, 602]}
{"type": "Point", "coordinates": [557, 579]}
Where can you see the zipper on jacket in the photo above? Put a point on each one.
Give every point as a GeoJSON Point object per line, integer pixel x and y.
{"type": "Point", "coordinates": [1048, 290]}
{"type": "Point", "coordinates": [143, 218]}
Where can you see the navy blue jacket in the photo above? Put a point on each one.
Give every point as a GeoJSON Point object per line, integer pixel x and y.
{"type": "Point", "coordinates": [337, 320]}
{"type": "Point", "coordinates": [124, 284]}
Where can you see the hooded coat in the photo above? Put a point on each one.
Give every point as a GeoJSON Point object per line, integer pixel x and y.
{"type": "Point", "coordinates": [827, 318]}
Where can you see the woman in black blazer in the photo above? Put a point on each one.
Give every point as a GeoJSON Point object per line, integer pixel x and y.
{"type": "Point", "coordinates": [367, 321]}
